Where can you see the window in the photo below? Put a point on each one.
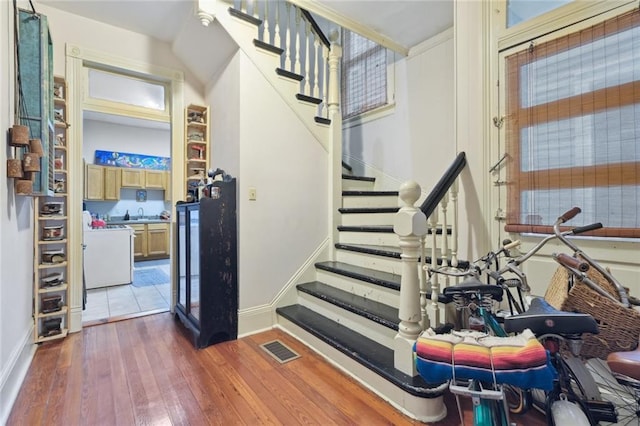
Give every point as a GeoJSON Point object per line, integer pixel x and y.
{"type": "Point", "coordinates": [524, 10]}
{"type": "Point", "coordinates": [364, 75]}
{"type": "Point", "coordinates": [573, 129]}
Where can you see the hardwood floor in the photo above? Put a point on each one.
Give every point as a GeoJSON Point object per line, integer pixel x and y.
{"type": "Point", "coordinates": [145, 371]}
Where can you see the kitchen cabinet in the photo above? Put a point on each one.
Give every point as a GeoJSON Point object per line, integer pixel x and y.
{"type": "Point", "coordinates": [207, 266]}
{"type": "Point", "coordinates": [112, 183]}
{"type": "Point", "coordinates": [102, 183]}
{"type": "Point", "coordinates": [151, 241]}
{"type": "Point", "coordinates": [132, 178]}
{"type": "Point", "coordinates": [157, 239]}
{"type": "Point", "coordinates": [154, 179]}
{"type": "Point", "coordinates": [139, 241]}
{"type": "Point", "coordinates": [167, 186]}
{"type": "Point", "coordinates": [94, 182]}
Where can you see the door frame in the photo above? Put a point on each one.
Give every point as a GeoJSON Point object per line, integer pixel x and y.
{"type": "Point", "coordinates": [76, 57]}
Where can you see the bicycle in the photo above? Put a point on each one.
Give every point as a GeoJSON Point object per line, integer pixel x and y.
{"type": "Point", "coordinates": [574, 384]}
{"type": "Point", "coordinates": [618, 378]}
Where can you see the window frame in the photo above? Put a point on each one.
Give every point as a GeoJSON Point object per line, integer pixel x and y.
{"type": "Point", "coordinates": [567, 19]}
{"type": "Point", "coordinates": [379, 111]}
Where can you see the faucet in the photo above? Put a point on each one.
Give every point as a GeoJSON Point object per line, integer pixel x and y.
{"type": "Point", "coordinates": [140, 213]}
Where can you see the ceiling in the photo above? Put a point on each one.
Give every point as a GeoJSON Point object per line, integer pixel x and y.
{"type": "Point", "coordinates": [407, 22]}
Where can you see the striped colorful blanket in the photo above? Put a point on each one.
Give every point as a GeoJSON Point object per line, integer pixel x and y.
{"type": "Point", "coordinates": [517, 360]}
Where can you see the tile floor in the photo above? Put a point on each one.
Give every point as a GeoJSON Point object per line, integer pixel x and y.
{"type": "Point", "coordinates": [108, 302]}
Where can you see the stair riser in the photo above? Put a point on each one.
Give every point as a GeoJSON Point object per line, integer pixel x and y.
{"type": "Point", "coordinates": [427, 410]}
{"type": "Point", "coordinates": [357, 185]}
{"type": "Point", "coordinates": [362, 219]}
{"type": "Point", "coordinates": [375, 238]}
{"type": "Point", "coordinates": [374, 292]}
{"type": "Point", "coordinates": [355, 322]}
{"type": "Point", "coordinates": [366, 260]}
{"type": "Point", "coordinates": [350, 201]}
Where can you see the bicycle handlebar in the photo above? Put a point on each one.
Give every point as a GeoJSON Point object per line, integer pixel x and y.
{"type": "Point", "coordinates": [571, 262]}
{"type": "Point", "coordinates": [570, 214]}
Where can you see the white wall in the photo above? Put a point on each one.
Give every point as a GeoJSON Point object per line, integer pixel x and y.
{"type": "Point", "coordinates": [224, 97]}
{"type": "Point", "coordinates": [87, 33]}
{"type": "Point", "coordinates": [288, 222]}
{"type": "Point", "coordinates": [103, 136]}
{"type": "Point", "coordinates": [416, 140]}
{"type": "Point", "coordinates": [16, 244]}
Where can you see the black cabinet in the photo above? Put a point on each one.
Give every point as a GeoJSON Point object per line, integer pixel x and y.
{"type": "Point", "coordinates": [207, 272]}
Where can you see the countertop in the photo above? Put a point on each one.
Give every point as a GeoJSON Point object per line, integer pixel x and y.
{"type": "Point", "coordinates": [134, 221]}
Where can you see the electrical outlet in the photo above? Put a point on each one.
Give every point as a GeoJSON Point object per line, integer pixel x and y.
{"type": "Point", "coordinates": [252, 194]}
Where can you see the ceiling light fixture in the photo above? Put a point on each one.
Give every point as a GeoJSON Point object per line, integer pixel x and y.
{"type": "Point", "coordinates": [205, 18]}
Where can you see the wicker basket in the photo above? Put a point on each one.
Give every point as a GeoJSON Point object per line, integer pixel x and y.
{"type": "Point", "coordinates": [619, 326]}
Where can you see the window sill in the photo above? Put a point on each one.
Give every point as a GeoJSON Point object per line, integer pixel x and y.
{"type": "Point", "coordinates": [368, 116]}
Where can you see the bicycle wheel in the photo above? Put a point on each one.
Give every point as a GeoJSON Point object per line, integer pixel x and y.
{"type": "Point", "coordinates": [625, 398]}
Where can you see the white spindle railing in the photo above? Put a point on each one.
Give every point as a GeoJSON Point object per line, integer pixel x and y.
{"type": "Point", "coordinates": [305, 50]}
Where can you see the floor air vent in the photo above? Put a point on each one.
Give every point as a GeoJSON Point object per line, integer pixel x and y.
{"type": "Point", "coordinates": [279, 351]}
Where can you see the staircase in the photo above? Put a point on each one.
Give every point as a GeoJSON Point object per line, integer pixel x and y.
{"type": "Point", "coordinates": [350, 312]}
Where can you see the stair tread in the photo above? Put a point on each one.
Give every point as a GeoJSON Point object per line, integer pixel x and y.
{"type": "Point", "coordinates": [374, 276]}
{"type": "Point", "coordinates": [367, 352]}
{"type": "Point", "coordinates": [352, 210]}
{"type": "Point", "coordinates": [268, 47]}
{"type": "Point", "coordinates": [363, 178]}
{"type": "Point", "coordinates": [245, 16]}
{"type": "Point", "coordinates": [322, 120]}
{"type": "Point", "coordinates": [352, 193]}
{"type": "Point", "coordinates": [378, 250]}
{"type": "Point", "coordinates": [309, 99]}
{"type": "Point", "coordinates": [370, 309]}
{"type": "Point", "coordinates": [288, 74]}
{"type": "Point", "coordinates": [366, 228]}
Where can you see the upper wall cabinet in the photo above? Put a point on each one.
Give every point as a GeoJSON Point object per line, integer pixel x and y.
{"type": "Point", "coordinates": [36, 88]}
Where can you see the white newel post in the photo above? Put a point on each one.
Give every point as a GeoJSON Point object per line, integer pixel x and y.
{"type": "Point", "coordinates": [410, 225]}
{"type": "Point", "coordinates": [335, 143]}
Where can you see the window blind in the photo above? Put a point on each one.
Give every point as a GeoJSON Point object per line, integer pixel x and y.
{"type": "Point", "coordinates": [364, 75]}
{"type": "Point", "coordinates": [573, 129]}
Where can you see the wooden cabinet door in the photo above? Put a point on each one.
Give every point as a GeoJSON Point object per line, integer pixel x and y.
{"type": "Point", "coordinates": [94, 182]}
{"type": "Point", "coordinates": [167, 186]}
{"type": "Point", "coordinates": [112, 183]}
{"type": "Point", "coordinates": [157, 239]}
{"type": "Point", "coordinates": [139, 242]}
{"type": "Point", "coordinates": [132, 178]}
{"type": "Point", "coordinates": [154, 179]}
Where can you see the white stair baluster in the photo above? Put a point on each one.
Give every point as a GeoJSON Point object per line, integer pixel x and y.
{"type": "Point", "coordinates": [454, 225]}
{"type": "Point", "coordinates": [276, 29]}
{"type": "Point", "coordinates": [265, 20]}
{"type": "Point", "coordinates": [307, 62]}
{"type": "Point", "coordinates": [444, 251]}
{"type": "Point", "coordinates": [434, 308]}
{"type": "Point", "coordinates": [317, 57]}
{"type": "Point", "coordinates": [288, 58]}
{"type": "Point", "coordinates": [297, 65]}
{"type": "Point", "coordinates": [424, 285]}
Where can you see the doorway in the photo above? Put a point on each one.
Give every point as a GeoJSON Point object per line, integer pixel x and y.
{"type": "Point", "coordinates": [132, 224]}
{"type": "Point", "coordinates": [170, 114]}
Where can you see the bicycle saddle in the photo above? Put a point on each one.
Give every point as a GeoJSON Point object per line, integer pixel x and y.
{"type": "Point", "coordinates": [625, 363]}
{"type": "Point", "coordinates": [542, 318]}
{"type": "Point", "coordinates": [473, 286]}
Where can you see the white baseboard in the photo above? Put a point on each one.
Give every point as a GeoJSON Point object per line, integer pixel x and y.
{"type": "Point", "coordinates": [255, 320]}
{"type": "Point", "coordinates": [13, 374]}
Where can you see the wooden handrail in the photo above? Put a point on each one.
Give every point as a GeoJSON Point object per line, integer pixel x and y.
{"type": "Point", "coordinates": [316, 28]}
{"type": "Point", "coordinates": [440, 189]}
